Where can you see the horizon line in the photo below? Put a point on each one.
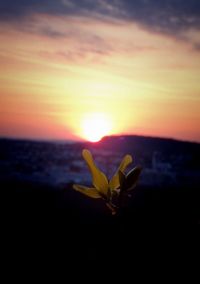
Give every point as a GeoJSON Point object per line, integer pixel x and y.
{"type": "Point", "coordinates": [64, 140]}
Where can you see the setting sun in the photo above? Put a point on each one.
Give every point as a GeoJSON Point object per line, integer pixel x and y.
{"type": "Point", "coordinates": [95, 126]}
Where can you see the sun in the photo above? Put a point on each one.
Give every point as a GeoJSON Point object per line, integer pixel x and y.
{"type": "Point", "coordinates": [95, 126]}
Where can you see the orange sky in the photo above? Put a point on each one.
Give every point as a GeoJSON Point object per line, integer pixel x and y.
{"type": "Point", "coordinates": [58, 70]}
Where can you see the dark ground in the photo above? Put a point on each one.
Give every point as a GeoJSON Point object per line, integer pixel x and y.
{"type": "Point", "coordinates": [28, 202]}
{"type": "Point", "coordinates": [43, 225]}
{"type": "Point", "coordinates": [34, 205]}
{"type": "Point", "coordinates": [40, 221]}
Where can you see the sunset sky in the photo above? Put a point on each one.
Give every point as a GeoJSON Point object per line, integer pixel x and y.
{"type": "Point", "coordinates": [136, 63]}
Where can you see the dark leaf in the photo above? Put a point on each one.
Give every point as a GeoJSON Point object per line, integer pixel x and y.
{"type": "Point", "coordinates": [132, 177]}
{"type": "Point", "coordinates": [122, 180]}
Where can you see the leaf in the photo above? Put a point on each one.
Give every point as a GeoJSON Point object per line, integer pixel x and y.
{"type": "Point", "coordinates": [114, 182]}
{"type": "Point", "coordinates": [132, 178]}
{"type": "Point", "coordinates": [122, 179]}
{"type": "Point", "coordinates": [99, 180]}
{"type": "Point", "coordinates": [91, 192]}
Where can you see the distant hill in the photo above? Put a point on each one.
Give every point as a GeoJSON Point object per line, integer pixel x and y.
{"type": "Point", "coordinates": [142, 143]}
{"type": "Point", "coordinates": [182, 153]}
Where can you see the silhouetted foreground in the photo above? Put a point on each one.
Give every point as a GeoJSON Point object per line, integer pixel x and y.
{"type": "Point", "coordinates": [41, 220]}
{"type": "Point", "coordinates": [36, 213]}
{"type": "Point", "coordinates": [25, 202]}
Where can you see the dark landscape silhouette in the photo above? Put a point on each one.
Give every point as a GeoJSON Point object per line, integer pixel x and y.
{"type": "Point", "coordinates": [38, 199]}
{"type": "Point", "coordinates": [171, 195]}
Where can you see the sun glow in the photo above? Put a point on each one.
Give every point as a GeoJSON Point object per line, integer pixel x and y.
{"type": "Point", "coordinates": [95, 126]}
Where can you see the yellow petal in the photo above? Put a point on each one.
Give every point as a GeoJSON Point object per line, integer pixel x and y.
{"type": "Point", "coordinates": [99, 180]}
{"type": "Point", "coordinates": [91, 192]}
{"type": "Point", "coordinates": [114, 182]}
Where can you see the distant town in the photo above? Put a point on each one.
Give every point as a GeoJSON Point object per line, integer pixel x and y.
{"type": "Point", "coordinates": [165, 162]}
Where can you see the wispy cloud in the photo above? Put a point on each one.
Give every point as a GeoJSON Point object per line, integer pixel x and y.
{"type": "Point", "coordinates": [50, 32]}
{"type": "Point", "coordinates": [171, 17]}
{"type": "Point", "coordinates": [167, 15]}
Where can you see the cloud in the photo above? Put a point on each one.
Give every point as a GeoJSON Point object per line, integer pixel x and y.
{"type": "Point", "coordinates": [197, 46]}
{"type": "Point", "coordinates": [50, 32]}
{"type": "Point", "coordinates": [167, 16]}
{"type": "Point", "coordinates": [80, 49]}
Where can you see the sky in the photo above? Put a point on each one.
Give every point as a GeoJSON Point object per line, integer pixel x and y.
{"type": "Point", "coordinates": [136, 64]}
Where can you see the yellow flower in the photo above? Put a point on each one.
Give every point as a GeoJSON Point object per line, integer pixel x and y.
{"type": "Point", "coordinates": [102, 187]}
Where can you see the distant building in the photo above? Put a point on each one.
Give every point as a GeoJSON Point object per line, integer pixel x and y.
{"type": "Point", "coordinates": [159, 165]}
